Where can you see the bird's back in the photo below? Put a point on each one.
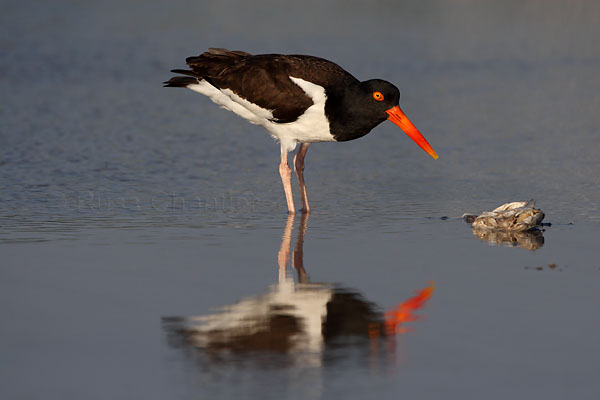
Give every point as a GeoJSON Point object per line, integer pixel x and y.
{"type": "Point", "coordinates": [264, 79]}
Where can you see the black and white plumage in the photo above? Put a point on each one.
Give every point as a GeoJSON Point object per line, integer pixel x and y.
{"type": "Point", "coordinates": [298, 99]}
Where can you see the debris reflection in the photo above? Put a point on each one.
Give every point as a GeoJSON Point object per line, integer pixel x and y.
{"type": "Point", "coordinates": [296, 322]}
{"type": "Point", "coordinates": [532, 239]}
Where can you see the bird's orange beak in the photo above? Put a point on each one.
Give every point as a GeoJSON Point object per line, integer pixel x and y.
{"type": "Point", "coordinates": [397, 116]}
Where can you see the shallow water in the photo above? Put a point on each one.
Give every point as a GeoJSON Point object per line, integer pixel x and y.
{"type": "Point", "coordinates": [125, 206]}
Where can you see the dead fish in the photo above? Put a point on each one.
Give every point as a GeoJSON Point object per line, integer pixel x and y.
{"type": "Point", "coordinates": [517, 216]}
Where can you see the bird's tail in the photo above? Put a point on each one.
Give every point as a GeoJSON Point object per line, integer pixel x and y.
{"type": "Point", "coordinates": [206, 66]}
{"type": "Point", "coordinates": [180, 81]}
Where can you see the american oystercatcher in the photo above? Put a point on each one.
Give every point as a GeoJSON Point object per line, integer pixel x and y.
{"type": "Point", "coordinates": [298, 99]}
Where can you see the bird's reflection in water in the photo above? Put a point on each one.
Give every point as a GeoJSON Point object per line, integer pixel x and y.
{"type": "Point", "coordinates": [300, 323]}
{"type": "Point", "coordinates": [532, 239]}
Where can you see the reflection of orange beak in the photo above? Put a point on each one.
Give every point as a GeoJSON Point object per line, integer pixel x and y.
{"type": "Point", "coordinates": [395, 317]}
{"type": "Point", "coordinates": [397, 116]}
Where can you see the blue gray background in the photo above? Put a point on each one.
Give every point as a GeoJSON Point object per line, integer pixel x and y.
{"type": "Point", "coordinates": [122, 202]}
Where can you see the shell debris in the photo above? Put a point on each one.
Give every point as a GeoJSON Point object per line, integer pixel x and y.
{"type": "Point", "coordinates": [518, 216]}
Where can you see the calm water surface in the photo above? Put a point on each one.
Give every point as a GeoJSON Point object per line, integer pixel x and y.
{"type": "Point", "coordinates": [146, 251]}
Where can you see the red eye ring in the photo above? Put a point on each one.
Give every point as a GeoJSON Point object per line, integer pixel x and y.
{"type": "Point", "coordinates": [378, 96]}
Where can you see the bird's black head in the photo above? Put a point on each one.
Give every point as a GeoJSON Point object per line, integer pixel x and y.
{"type": "Point", "coordinates": [359, 108]}
{"type": "Point", "coordinates": [363, 106]}
{"type": "Point", "coordinates": [378, 96]}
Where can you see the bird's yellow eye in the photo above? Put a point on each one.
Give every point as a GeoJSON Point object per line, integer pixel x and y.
{"type": "Point", "coordinates": [378, 96]}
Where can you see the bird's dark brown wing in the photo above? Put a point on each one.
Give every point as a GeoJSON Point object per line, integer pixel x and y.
{"type": "Point", "coordinates": [264, 79]}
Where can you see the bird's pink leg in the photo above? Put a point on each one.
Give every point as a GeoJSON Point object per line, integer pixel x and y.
{"type": "Point", "coordinates": [299, 169]}
{"type": "Point", "coordinates": [286, 177]}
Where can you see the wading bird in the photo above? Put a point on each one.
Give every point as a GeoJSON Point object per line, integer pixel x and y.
{"type": "Point", "coordinates": [298, 99]}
